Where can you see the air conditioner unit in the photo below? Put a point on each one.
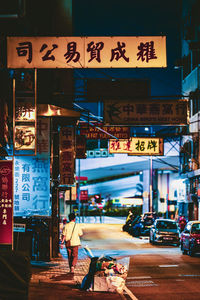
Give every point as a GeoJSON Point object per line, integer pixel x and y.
{"type": "Point", "coordinates": [97, 153]}
{"type": "Point", "coordinates": [104, 153]}
{"type": "Point", "coordinates": [90, 153]}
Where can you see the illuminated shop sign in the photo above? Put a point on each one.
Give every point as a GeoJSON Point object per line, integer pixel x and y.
{"type": "Point", "coordinates": [25, 137]}
{"type": "Point", "coordinates": [146, 112]}
{"type": "Point", "coordinates": [43, 137]}
{"type": "Point", "coordinates": [137, 146]}
{"type": "Point", "coordinates": [6, 202]}
{"type": "Point", "coordinates": [31, 186]}
{"type": "Point", "coordinates": [104, 132]}
{"type": "Point", "coordinates": [67, 155]}
{"type": "Point", "coordinates": [25, 111]}
{"type": "Point", "coordinates": [87, 52]}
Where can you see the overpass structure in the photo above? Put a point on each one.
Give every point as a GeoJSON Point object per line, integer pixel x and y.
{"type": "Point", "coordinates": [119, 176]}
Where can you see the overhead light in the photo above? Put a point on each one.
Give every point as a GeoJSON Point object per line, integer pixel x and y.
{"type": "Point", "coordinates": [146, 128]}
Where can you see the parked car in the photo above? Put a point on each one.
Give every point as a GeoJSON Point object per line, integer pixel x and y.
{"type": "Point", "coordinates": [136, 227]}
{"type": "Point", "coordinates": [141, 225]}
{"type": "Point", "coordinates": [190, 238]}
{"type": "Point", "coordinates": [147, 221]}
{"type": "Point", "coordinates": [164, 231]}
{"type": "Point", "coordinates": [130, 223]}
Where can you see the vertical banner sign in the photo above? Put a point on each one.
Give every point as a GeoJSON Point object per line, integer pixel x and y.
{"type": "Point", "coordinates": [80, 147]}
{"type": "Point", "coordinates": [32, 176]}
{"type": "Point", "coordinates": [24, 111]}
{"type": "Point", "coordinates": [6, 202]}
{"type": "Point", "coordinates": [31, 186]}
{"type": "Point", "coordinates": [43, 137]}
{"type": "Point", "coordinates": [67, 153]}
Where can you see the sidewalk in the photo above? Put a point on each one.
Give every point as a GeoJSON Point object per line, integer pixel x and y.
{"type": "Point", "coordinates": [52, 280]}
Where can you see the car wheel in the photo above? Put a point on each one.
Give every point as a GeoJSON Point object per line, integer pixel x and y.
{"type": "Point", "coordinates": [183, 250]}
{"type": "Point", "coordinates": [191, 251]}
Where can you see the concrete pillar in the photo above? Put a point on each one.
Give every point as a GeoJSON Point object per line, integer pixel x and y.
{"type": "Point", "coordinates": [146, 180]}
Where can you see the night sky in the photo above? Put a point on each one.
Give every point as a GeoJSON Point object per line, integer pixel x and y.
{"type": "Point", "coordinates": [132, 18]}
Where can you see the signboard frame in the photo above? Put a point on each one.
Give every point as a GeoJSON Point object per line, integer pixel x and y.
{"type": "Point", "coordinates": [136, 146]}
{"type": "Point", "coordinates": [87, 52]}
{"type": "Point", "coordinates": [146, 112]}
{"type": "Point", "coordinates": [6, 168]}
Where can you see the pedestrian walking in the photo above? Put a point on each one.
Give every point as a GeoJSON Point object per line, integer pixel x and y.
{"type": "Point", "coordinates": [62, 226]}
{"type": "Point", "coordinates": [71, 237]}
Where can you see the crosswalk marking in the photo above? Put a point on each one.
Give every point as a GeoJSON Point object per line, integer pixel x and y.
{"type": "Point", "coordinates": [139, 277]}
{"type": "Point", "coordinates": [168, 266]}
{"type": "Point", "coordinates": [141, 283]}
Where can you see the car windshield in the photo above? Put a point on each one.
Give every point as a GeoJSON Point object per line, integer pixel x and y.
{"type": "Point", "coordinates": [166, 225]}
{"type": "Point", "coordinates": [195, 228]}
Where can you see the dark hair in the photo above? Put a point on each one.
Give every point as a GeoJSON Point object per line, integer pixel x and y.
{"type": "Point", "coordinates": [72, 216]}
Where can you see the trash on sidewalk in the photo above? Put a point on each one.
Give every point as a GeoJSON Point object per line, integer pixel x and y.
{"type": "Point", "coordinates": [105, 273]}
{"type": "Point", "coordinates": [88, 251]}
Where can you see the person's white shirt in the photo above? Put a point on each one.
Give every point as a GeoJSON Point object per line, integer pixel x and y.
{"type": "Point", "coordinates": [67, 232]}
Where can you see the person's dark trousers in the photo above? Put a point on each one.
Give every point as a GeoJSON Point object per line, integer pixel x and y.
{"type": "Point", "coordinates": [72, 253]}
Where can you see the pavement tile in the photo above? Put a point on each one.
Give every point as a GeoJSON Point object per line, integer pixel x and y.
{"type": "Point", "coordinates": [52, 280]}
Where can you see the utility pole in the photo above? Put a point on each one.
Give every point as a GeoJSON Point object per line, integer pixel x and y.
{"type": "Point", "coordinates": [151, 184]}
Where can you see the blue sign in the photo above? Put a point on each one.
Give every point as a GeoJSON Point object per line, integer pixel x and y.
{"type": "Point", "coordinates": [31, 186]}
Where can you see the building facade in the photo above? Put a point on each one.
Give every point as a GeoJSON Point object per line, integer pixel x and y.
{"type": "Point", "coordinates": [190, 65]}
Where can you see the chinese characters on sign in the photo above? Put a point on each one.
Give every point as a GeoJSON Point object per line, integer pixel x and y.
{"type": "Point", "coordinates": [146, 113]}
{"type": "Point", "coordinates": [92, 132]}
{"type": "Point", "coordinates": [31, 186]}
{"type": "Point", "coordinates": [86, 52]}
{"type": "Point", "coordinates": [6, 202]}
{"type": "Point", "coordinates": [84, 195]}
{"type": "Point", "coordinates": [32, 176]}
{"type": "Point", "coordinates": [43, 137]}
{"type": "Point", "coordinates": [137, 146]}
{"type": "Point", "coordinates": [80, 146]}
{"type": "Point", "coordinates": [24, 103]}
{"type": "Point", "coordinates": [25, 111]}
{"type": "Point", "coordinates": [67, 152]}
{"type": "Point", "coordinates": [24, 137]}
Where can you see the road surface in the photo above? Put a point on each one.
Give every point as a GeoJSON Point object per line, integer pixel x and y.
{"type": "Point", "coordinates": [155, 272]}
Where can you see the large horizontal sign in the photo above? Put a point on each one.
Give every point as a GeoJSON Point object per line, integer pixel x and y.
{"type": "Point", "coordinates": [146, 112]}
{"type": "Point", "coordinates": [137, 146]}
{"type": "Point", "coordinates": [87, 52]}
{"type": "Point", "coordinates": [104, 132]}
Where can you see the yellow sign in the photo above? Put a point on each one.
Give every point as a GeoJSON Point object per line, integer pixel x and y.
{"type": "Point", "coordinates": [147, 112]}
{"type": "Point", "coordinates": [25, 111]}
{"type": "Point", "coordinates": [137, 146]}
{"type": "Point", "coordinates": [24, 138]}
{"type": "Point", "coordinates": [87, 52]}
